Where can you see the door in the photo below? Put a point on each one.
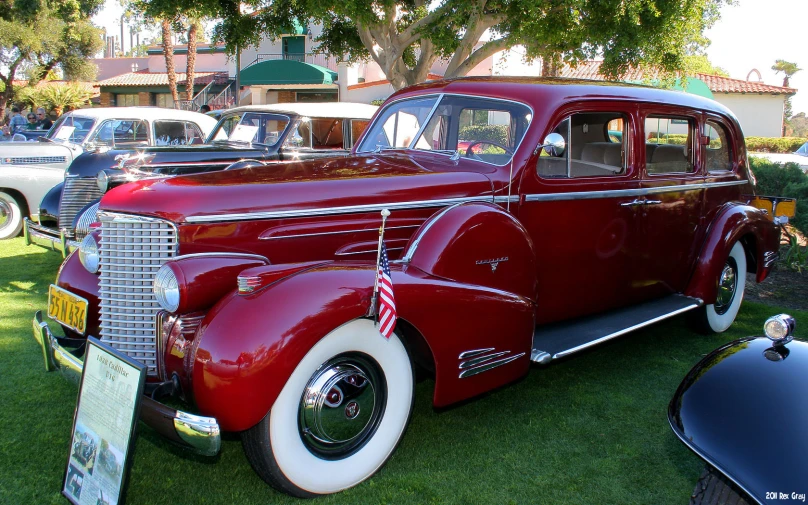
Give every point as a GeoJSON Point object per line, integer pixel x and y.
{"type": "Point", "coordinates": [576, 207]}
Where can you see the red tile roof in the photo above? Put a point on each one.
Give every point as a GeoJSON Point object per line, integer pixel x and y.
{"type": "Point", "coordinates": [146, 78]}
{"type": "Point", "coordinates": [429, 77]}
{"type": "Point", "coordinates": [716, 83]}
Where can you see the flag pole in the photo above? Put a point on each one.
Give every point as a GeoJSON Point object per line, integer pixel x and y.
{"type": "Point", "coordinates": [372, 310]}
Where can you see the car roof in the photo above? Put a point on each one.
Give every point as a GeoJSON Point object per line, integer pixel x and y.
{"type": "Point", "coordinates": [149, 113]}
{"type": "Point", "coordinates": [344, 110]}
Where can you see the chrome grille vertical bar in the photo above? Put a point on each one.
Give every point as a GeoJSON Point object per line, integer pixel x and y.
{"type": "Point", "coordinates": [132, 249]}
{"type": "Point", "coordinates": [77, 192]}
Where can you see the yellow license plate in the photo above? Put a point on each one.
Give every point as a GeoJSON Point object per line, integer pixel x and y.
{"type": "Point", "coordinates": [67, 308]}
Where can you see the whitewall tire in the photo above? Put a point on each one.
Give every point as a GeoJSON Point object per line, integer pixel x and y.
{"type": "Point", "coordinates": [10, 216]}
{"type": "Point", "coordinates": [719, 316]}
{"type": "Point", "coordinates": [340, 415]}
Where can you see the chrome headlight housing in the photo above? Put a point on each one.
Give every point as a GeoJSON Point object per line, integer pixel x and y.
{"type": "Point", "coordinates": [780, 328]}
{"type": "Point", "coordinates": [102, 181]}
{"type": "Point", "coordinates": [88, 254]}
{"type": "Point", "coordinates": [166, 288]}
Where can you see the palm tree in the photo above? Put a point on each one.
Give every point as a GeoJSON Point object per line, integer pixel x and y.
{"type": "Point", "coordinates": [59, 97]}
{"type": "Point", "coordinates": [788, 69]}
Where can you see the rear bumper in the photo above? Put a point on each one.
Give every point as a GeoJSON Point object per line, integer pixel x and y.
{"type": "Point", "coordinates": [48, 237]}
{"type": "Point", "coordinates": [197, 433]}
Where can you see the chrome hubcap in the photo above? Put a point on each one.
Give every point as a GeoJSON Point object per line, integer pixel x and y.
{"type": "Point", "coordinates": [727, 285]}
{"type": "Point", "coordinates": [5, 213]}
{"type": "Point", "coordinates": [342, 406]}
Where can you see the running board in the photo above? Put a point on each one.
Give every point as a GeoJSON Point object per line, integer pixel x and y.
{"type": "Point", "coordinates": [562, 339]}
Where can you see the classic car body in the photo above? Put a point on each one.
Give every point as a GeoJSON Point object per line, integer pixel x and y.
{"type": "Point", "coordinates": [283, 132]}
{"type": "Point", "coordinates": [28, 170]}
{"type": "Point", "coordinates": [248, 292]}
{"type": "Point", "coordinates": [743, 410]}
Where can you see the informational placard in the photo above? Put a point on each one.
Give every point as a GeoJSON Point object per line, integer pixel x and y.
{"type": "Point", "coordinates": [104, 426]}
{"type": "Point", "coordinates": [64, 132]}
{"type": "Point", "coordinates": [243, 133]}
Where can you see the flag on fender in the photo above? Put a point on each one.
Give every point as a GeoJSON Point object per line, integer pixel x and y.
{"type": "Point", "coordinates": [387, 301]}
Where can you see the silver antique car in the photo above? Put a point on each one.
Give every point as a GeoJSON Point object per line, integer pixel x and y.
{"type": "Point", "coordinates": [28, 170]}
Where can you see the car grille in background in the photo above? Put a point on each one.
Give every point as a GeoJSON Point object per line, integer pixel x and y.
{"type": "Point", "coordinates": [33, 160]}
{"type": "Point", "coordinates": [78, 192]}
{"type": "Point", "coordinates": [132, 249]}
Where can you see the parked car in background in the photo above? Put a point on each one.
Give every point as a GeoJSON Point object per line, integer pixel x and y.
{"type": "Point", "coordinates": [743, 410]}
{"type": "Point", "coordinates": [29, 170]}
{"type": "Point", "coordinates": [803, 150]}
{"type": "Point", "coordinates": [257, 133]}
{"type": "Point", "coordinates": [520, 230]}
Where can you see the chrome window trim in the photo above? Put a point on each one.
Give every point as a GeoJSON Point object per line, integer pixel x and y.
{"type": "Point", "coordinates": [426, 122]}
{"type": "Point", "coordinates": [620, 193]}
{"type": "Point", "coordinates": [349, 209]}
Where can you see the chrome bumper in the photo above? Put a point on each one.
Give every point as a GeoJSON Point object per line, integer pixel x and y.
{"type": "Point", "coordinates": [200, 434]}
{"type": "Point", "coordinates": [48, 237]}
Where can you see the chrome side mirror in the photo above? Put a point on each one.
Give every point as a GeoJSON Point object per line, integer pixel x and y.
{"type": "Point", "coordinates": [554, 145]}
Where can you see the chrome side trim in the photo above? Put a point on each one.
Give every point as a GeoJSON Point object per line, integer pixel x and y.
{"type": "Point", "coordinates": [696, 304]}
{"type": "Point", "coordinates": [475, 352]}
{"type": "Point", "coordinates": [219, 254]}
{"type": "Point", "coordinates": [504, 199]}
{"type": "Point", "coordinates": [489, 366]}
{"type": "Point", "coordinates": [374, 251]}
{"type": "Point", "coordinates": [540, 357]}
{"type": "Point", "coordinates": [621, 193]}
{"type": "Point", "coordinates": [411, 251]}
{"type": "Point", "coordinates": [319, 234]}
{"type": "Point", "coordinates": [349, 209]}
{"type": "Point", "coordinates": [770, 258]}
{"type": "Point", "coordinates": [482, 359]}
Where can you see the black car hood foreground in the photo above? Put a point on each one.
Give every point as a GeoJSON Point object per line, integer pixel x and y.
{"type": "Point", "coordinates": [744, 409]}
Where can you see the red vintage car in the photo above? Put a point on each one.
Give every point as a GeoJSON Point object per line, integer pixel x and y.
{"type": "Point", "coordinates": [555, 226]}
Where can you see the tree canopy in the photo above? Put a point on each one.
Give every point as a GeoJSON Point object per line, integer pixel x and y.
{"type": "Point", "coordinates": [37, 36]}
{"type": "Point", "coordinates": [405, 37]}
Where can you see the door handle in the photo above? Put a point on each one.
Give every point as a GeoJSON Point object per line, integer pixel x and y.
{"type": "Point", "coordinates": [653, 202]}
{"type": "Point", "coordinates": [633, 203]}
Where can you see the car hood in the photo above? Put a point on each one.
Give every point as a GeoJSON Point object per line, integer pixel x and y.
{"type": "Point", "coordinates": [743, 409]}
{"type": "Point", "coordinates": [335, 185]}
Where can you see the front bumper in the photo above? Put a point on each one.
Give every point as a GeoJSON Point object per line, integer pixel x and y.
{"type": "Point", "coordinates": [200, 434]}
{"type": "Point", "coordinates": [48, 237]}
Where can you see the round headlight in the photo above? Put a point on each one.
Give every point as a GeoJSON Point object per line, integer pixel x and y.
{"type": "Point", "coordinates": [88, 254]}
{"type": "Point", "coordinates": [167, 289]}
{"type": "Point", "coordinates": [779, 328]}
{"type": "Point", "coordinates": [102, 180]}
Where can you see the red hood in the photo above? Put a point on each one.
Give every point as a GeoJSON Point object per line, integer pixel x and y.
{"type": "Point", "coordinates": [314, 184]}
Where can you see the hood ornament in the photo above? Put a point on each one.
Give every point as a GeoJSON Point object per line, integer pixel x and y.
{"type": "Point", "coordinates": [493, 262]}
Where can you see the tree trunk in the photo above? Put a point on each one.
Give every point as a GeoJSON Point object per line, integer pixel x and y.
{"type": "Point", "coordinates": [550, 65]}
{"type": "Point", "coordinates": [168, 54]}
{"type": "Point", "coordinates": [191, 60]}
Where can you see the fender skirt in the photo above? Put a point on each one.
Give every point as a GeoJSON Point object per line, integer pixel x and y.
{"type": "Point", "coordinates": [743, 409]}
{"type": "Point", "coordinates": [248, 345]}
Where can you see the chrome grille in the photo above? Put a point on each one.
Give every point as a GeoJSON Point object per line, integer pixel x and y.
{"type": "Point", "coordinates": [78, 192]}
{"type": "Point", "coordinates": [34, 160]}
{"type": "Point", "coordinates": [132, 249]}
{"type": "Point", "coordinates": [89, 217]}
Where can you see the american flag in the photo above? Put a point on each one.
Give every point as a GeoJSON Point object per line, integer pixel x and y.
{"type": "Point", "coordinates": [387, 301]}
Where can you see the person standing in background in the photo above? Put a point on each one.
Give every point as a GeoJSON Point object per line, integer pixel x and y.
{"type": "Point", "coordinates": [43, 122]}
{"type": "Point", "coordinates": [17, 120]}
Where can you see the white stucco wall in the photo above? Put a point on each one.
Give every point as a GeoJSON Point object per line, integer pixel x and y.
{"type": "Point", "coordinates": [368, 94]}
{"type": "Point", "coordinates": [205, 62]}
{"type": "Point", "coordinates": [760, 115]}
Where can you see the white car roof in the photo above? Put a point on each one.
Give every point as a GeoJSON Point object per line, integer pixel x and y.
{"type": "Point", "coordinates": [344, 110]}
{"type": "Point", "coordinates": [149, 113]}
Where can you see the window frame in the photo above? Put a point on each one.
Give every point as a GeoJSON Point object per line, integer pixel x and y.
{"type": "Point", "coordinates": [731, 145]}
{"type": "Point", "coordinates": [694, 118]}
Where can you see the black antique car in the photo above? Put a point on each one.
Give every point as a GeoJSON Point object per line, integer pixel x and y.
{"type": "Point", "coordinates": [255, 134]}
{"type": "Point", "coordinates": [744, 410]}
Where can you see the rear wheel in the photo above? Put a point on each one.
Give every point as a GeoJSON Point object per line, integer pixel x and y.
{"type": "Point", "coordinates": [10, 216]}
{"type": "Point", "coordinates": [339, 417]}
{"type": "Point", "coordinates": [713, 488]}
{"type": "Point", "coordinates": [719, 316]}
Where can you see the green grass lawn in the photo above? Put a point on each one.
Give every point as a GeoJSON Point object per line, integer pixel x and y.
{"type": "Point", "coordinates": [588, 430]}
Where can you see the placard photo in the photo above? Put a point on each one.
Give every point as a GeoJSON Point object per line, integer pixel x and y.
{"type": "Point", "coordinates": [104, 426]}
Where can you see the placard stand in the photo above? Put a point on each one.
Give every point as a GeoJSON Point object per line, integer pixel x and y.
{"type": "Point", "coordinates": [104, 426]}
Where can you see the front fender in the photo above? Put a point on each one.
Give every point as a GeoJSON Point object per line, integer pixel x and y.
{"type": "Point", "coordinates": [248, 345]}
{"type": "Point", "coordinates": [743, 409]}
{"type": "Point", "coordinates": [49, 206]}
{"type": "Point", "coordinates": [759, 235]}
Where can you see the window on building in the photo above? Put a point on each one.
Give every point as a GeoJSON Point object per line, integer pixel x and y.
{"type": "Point", "coordinates": [126, 100]}
{"type": "Point", "coordinates": [316, 96]}
{"type": "Point", "coordinates": [596, 146]}
{"type": "Point", "coordinates": [164, 100]}
{"type": "Point", "coordinates": [717, 153]}
{"type": "Point", "coordinates": [669, 144]}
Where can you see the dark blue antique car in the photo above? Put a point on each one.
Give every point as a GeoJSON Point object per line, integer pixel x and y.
{"type": "Point", "coordinates": [744, 410]}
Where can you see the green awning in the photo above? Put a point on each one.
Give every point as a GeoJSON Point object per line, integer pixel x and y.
{"type": "Point", "coordinates": [695, 86]}
{"type": "Point", "coordinates": [286, 72]}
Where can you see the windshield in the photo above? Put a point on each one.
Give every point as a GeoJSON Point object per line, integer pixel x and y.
{"type": "Point", "coordinates": [254, 127]}
{"type": "Point", "coordinates": [478, 128]}
{"type": "Point", "coordinates": [71, 128]}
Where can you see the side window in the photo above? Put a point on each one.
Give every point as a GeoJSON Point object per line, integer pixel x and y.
{"type": "Point", "coordinates": [717, 158]}
{"type": "Point", "coordinates": [669, 144]}
{"type": "Point", "coordinates": [357, 127]}
{"type": "Point", "coordinates": [300, 136]}
{"type": "Point", "coordinates": [126, 132]}
{"type": "Point", "coordinates": [169, 133]}
{"type": "Point", "coordinates": [326, 133]}
{"type": "Point", "coordinates": [193, 134]}
{"type": "Point", "coordinates": [596, 146]}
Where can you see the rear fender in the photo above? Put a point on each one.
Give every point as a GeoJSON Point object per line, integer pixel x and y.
{"type": "Point", "coordinates": [248, 345]}
{"type": "Point", "coordinates": [756, 232]}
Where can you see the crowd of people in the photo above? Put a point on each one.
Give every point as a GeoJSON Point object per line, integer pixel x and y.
{"type": "Point", "coordinates": [33, 120]}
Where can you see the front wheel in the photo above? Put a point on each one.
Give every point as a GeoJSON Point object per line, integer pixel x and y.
{"type": "Point", "coordinates": [340, 415]}
{"type": "Point", "coordinates": [10, 216]}
{"type": "Point", "coordinates": [718, 317]}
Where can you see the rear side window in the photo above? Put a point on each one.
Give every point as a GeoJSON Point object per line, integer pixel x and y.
{"type": "Point", "coordinates": [669, 144]}
{"type": "Point", "coordinates": [326, 133]}
{"type": "Point", "coordinates": [175, 133]}
{"type": "Point", "coordinates": [122, 132]}
{"type": "Point", "coordinates": [596, 146]}
{"type": "Point", "coordinates": [357, 127]}
{"type": "Point", "coordinates": [717, 152]}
